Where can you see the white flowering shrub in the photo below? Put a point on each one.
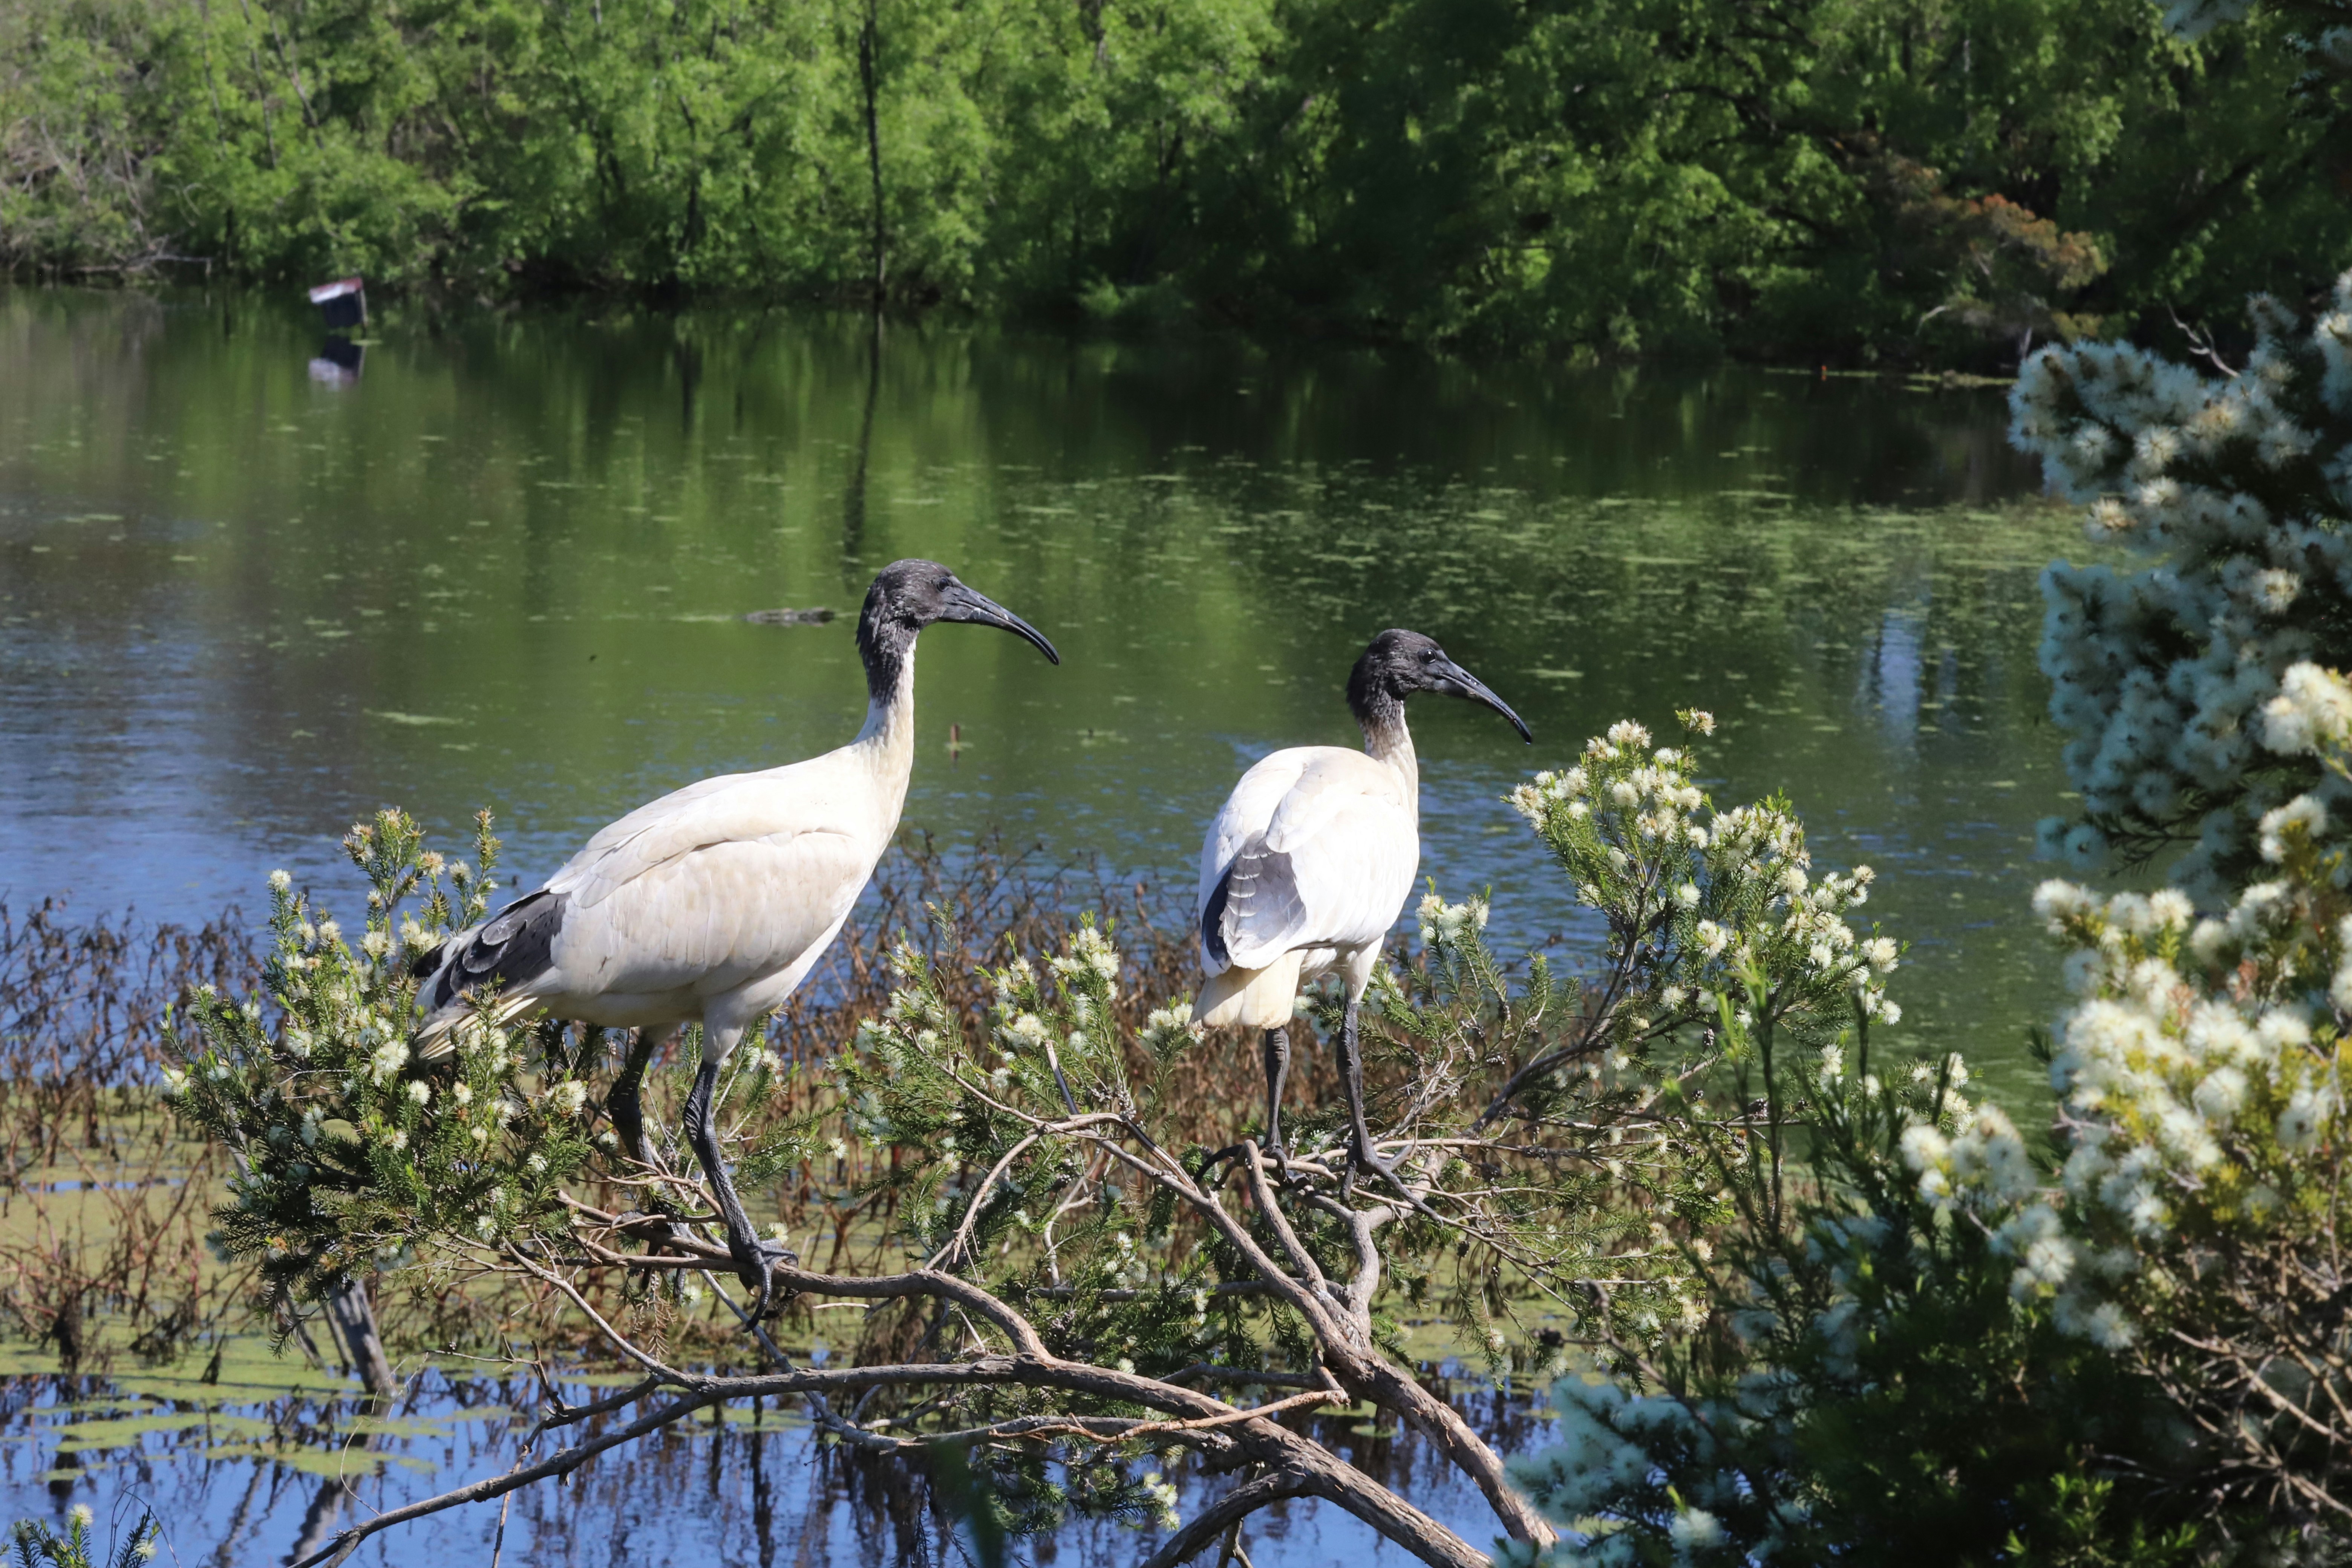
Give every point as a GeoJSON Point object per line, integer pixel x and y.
{"type": "Point", "coordinates": [1706, 911]}
{"type": "Point", "coordinates": [2200, 1223]}
{"type": "Point", "coordinates": [1564, 1139]}
{"type": "Point", "coordinates": [2132, 1351]}
{"type": "Point", "coordinates": [1871, 1388]}
{"type": "Point", "coordinates": [349, 1161]}
{"type": "Point", "coordinates": [2237, 488]}
{"type": "Point", "coordinates": [1724, 949]}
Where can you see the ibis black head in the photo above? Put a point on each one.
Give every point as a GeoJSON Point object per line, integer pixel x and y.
{"type": "Point", "coordinates": [1400, 663]}
{"type": "Point", "coordinates": [910, 595]}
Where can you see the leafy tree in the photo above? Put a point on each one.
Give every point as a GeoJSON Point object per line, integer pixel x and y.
{"type": "Point", "coordinates": [1799, 178]}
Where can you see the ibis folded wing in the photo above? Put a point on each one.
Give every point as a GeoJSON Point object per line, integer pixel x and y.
{"type": "Point", "coordinates": [1328, 865]}
{"type": "Point", "coordinates": [705, 891]}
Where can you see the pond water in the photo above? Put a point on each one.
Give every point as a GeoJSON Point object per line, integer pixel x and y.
{"type": "Point", "coordinates": [255, 1459]}
{"type": "Point", "coordinates": [246, 594]}
{"type": "Point", "coordinates": [250, 591]}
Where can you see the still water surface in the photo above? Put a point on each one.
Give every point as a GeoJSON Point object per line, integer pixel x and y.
{"type": "Point", "coordinates": [264, 1460]}
{"type": "Point", "coordinates": [245, 597]}
{"type": "Point", "coordinates": [509, 565]}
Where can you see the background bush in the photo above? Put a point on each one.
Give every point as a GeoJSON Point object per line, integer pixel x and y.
{"type": "Point", "coordinates": [1810, 179]}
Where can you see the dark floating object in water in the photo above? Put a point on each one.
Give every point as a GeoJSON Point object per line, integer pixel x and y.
{"type": "Point", "coordinates": [343, 304]}
{"type": "Point", "coordinates": [816, 616]}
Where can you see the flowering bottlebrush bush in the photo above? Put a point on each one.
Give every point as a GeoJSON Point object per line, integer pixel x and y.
{"type": "Point", "coordinates": [1719, 933]}
{"type": "Point", "coordinates": [2201, 1219]}
{"type": "Point", "coordinates": [1557, 1134]}
{"type": "Point", "coordinates": [2238, 487]}
{"type": "Point", "coordinates": [1869, 1388]}
{"type": "Point", "coordinates": [347, 1160]}
{"type": "Point", "coordinates": [1946, 1353]}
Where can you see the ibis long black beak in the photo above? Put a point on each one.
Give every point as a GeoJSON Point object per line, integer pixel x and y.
{"type": "Point", "coordinates": [1456, 681]}
{"type": "Point", "coordinates": [962, 603]}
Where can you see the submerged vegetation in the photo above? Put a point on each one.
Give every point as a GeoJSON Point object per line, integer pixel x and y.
{"type": "Point", "coordinates": [1934, 180]}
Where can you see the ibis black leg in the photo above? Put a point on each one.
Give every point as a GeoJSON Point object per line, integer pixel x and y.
{"type": "Point", "coordinates": [1359, 1149]}
{"type": "Point", "coordinates": [1351, 1083]}
{"type": "Point", "coordinates": [1277, 1047]}
{"type": "Point", "coordinates": [627, 1106]}
{"type": "Point", "coordinates": [755, 1260]}
{"type": "Point", "coordinates": [625, 1103]}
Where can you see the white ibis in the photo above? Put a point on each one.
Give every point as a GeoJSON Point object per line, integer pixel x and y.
{"type": "Point", "coordinates": [712, 903]}
{"type": "Point", "coordinates": [1307, 868]}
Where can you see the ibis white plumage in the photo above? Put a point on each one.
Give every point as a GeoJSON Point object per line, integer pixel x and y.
{"type": "Point", "coordinates": [1308, 865]}
{"type": "Point", "coordinates": [711, 904]}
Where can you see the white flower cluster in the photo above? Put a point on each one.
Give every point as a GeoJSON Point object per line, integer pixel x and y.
{"type": "Point", "coordinates": [1735, 887]}
{"type": "Point", "coordinates": [1090, 952]}
{"type": "Point", "coordinates": [1655, 793]}
{"type": "Point", "coordinates": [2193, 1102]}
{"type": "Point", "coordinates": [2311, 714]}
{"type": "Point", "coordinates": [1162, 1495]}
{"type": "Point", "coordinates": [1444, 922]}
{"type": "Point", "coordinates": [1170, 1027]}
{"type": "Point", "coordinates": [2239, 488]}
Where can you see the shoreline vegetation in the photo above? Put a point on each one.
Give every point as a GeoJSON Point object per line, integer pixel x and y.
{"type": "Point", "coordinates": [1934, 182]}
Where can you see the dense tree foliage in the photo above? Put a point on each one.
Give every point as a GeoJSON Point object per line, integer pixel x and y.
{"type": "Point", "coordinates": [1812, 178]}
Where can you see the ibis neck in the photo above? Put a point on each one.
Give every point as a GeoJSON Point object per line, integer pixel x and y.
{"type": "Point", "coordinates": [887, 740]}
{"type": "Point", "coordinates": [1386, 740]}
{"type": "Point", "coordinates": [890, 698]}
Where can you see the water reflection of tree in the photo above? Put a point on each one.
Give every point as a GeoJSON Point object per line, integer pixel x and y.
{"type": "Point", "coordinates": [739, 1487]}
{"type": "Point", "coordinates": [853, 569]}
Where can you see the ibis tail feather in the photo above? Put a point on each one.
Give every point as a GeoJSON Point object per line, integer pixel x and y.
{"type": "Point", "coordinates": [511, 950]}
{"type": "Point", "coordinates": [1255, 998]}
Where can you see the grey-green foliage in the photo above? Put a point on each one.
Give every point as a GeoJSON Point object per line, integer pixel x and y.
{"type": "Point", "coordinates": [2234, 483]}
{"type": "Point", "coordinates": [1869, 1390]}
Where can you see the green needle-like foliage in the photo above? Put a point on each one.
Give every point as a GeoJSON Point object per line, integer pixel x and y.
{"type": "Point", "coordinates": [38, 1546]}
{"type": "Point", "coordinates": [352, 1157]}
